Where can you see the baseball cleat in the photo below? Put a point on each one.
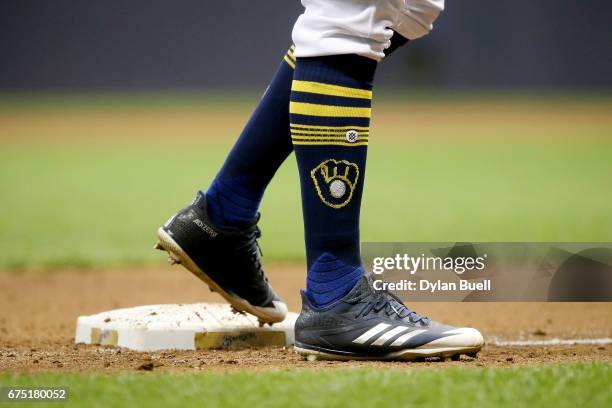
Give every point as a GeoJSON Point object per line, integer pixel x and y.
{"type": "Point", "coordinates": [226, 259]}
{"type": "Point", "coordinates": [375, 325]}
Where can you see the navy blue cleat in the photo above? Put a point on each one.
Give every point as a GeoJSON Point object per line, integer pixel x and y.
{"type": "Point", "coordinates": [226, 259]}
{"type": "Point", "coordinates": [375, 325]}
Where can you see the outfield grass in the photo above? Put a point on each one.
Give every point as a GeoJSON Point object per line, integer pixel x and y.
{"type": "Point", "coordinates": [101, 206]}
{"type": "Point", "coordinates": [584, 385]}
{"type": "Point", "coordinates": [88, 185]}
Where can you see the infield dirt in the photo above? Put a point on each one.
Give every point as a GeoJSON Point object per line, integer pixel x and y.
{"type": "Point", "coordinates": [38, 312]}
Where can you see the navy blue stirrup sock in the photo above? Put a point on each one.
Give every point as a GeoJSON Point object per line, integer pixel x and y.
{"type": "Point", "coordinates": [330, 112]}
{"type": "Point", "coordinates": [234, 195]}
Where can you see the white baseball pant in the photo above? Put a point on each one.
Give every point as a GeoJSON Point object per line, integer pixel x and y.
{"type": "Point", "coordinates": [363, 27]}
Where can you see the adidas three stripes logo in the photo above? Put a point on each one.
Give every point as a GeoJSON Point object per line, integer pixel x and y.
{"type": "Point", "coordinates": [381, 339]}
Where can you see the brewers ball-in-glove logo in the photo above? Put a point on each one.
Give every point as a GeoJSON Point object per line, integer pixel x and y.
{"type": "Point", "coordinates": [335, 181]}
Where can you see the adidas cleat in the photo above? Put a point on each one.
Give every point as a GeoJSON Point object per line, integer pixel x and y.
{"type": "Point", "coordinates": [375, 325]}
{"type": "Point", "coordinates": [226, 259]}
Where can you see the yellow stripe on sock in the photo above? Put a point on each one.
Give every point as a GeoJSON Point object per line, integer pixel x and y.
{"type": "Point", "coordinates": [299, 126]}
{"type": "Point", "coordinates": [328, 89]}
{"type": "Point", "coordinates": [312, 109]}
{"type": "Point", "coordinates": [341, 138]}
{"type": "Point", "coordinates": [288, 61]}
{"type": "Point", "coordinates": [326, 132]}
{"type": "Point", "coordinates": [300, 143]}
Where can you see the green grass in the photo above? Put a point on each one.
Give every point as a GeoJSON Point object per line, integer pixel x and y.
{"type": "Point", "coordinates": [584, 385]}
{"type": "Point", "coordinates": [454, 169]}
{"type": "Point", "coordinates": [85, 206]}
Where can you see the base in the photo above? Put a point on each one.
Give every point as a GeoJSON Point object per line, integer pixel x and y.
{"type": "Point", "coordinates": [182, 327]}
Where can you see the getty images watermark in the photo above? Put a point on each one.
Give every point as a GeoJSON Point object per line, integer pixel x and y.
{"type": "Point", "coordinates": [422, 263]}
{"type": "Point", "coordinates": [481, 272]}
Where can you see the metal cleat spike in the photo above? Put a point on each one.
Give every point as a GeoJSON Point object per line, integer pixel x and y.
{"type": "Point", "coordinates": [236, 311]}
{"type": "Point", "coordinates": [456, 357]}
{"type": "Point", "coordinates": [310, 357]}
{"type": "Point", "coordinates": [473, 355]}
{"type": "Point", "coordinates": [173, 261]}
{"type": "Point", "coordinates": [158, 246]}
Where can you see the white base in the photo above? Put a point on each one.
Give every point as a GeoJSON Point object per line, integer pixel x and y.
{"type": "Point", "coordinates": [181, 327]}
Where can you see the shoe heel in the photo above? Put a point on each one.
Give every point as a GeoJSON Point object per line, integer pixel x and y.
{"type": "Point", "coordinates": [164, 243]}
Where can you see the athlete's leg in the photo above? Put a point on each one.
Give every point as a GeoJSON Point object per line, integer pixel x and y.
{"type": "Point", "coordinates": [216, 236]}
{"type": "Point", "coordinates": [330, 123]}
{"type": "Point", "coordinates": [234, 195]}
{"type": "Point", "coordinates": [338, 44]}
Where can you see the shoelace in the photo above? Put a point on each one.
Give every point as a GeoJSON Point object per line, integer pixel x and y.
{"type": "Point", "coordinates": [386, 301]}
{"type": "Point", "coordinates": [253, 250]}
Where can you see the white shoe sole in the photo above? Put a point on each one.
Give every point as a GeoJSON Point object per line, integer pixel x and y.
{"type": "Point", "coordinates": [401, 355]}
{"type": "Point", "coordinates": [178, 256]}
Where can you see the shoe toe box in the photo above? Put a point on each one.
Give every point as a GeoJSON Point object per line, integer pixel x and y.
{"type": "Point", "coordinates": [459, 337]}
{"type": "Point", "coordinates": [280, 307]}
